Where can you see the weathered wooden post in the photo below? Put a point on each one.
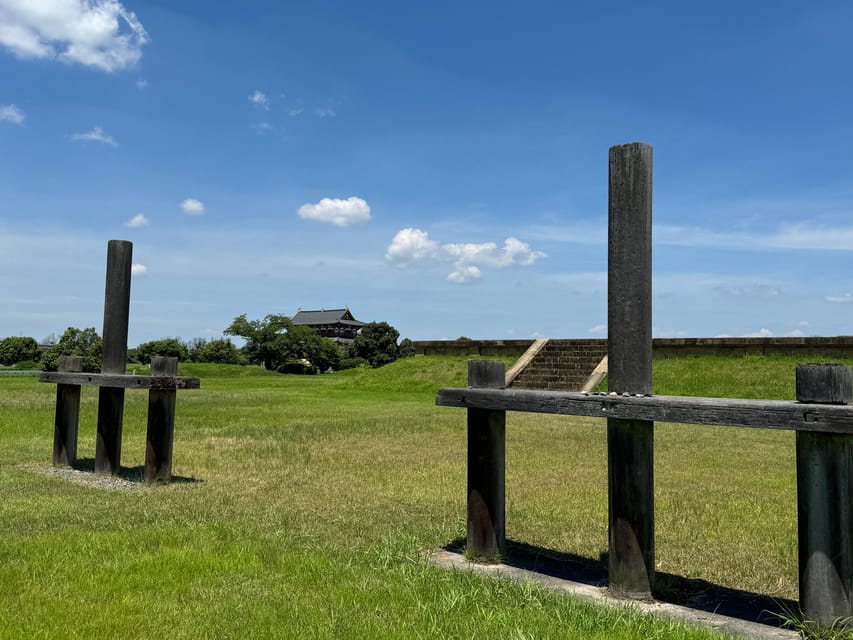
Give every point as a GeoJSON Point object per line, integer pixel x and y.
{"type": "Point", "coordinates": [161, 423]}
{"type": "Point", "coordinates": [825, 501]}
{"type": "Point", "coordinates": [630, 443]}
{"type": "Point", "coordinates": [114, 356]}
{"type": "Point", "coordinates": [67, 418]}
{"type": "Point", "coordinates": [486, 466]}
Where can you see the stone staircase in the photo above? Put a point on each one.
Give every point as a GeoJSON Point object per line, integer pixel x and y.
{"type": "Point", "coordinates": [560, 365]}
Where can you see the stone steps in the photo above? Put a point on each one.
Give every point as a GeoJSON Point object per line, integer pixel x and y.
{"type": "Point", "coordinates": [562, 365]}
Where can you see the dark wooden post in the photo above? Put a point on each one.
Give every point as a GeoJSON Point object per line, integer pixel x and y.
{"type": "Point", "coordinates": [67, 414]}
{"type": "Point", "coordinates": [824, 501]}
{"type": "Point", "coordinates": [486, 466]}
{"type": "Point", "coordinates": [161, 424]}
{"type": "Point", "coordinates": [114, 356]}
{"type": "Point", "coordinates": [630, 443]}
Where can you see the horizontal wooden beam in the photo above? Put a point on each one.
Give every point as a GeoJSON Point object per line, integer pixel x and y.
{"type": "Point", "coordinates": [763, 414]}
{"type": "Point", "coordinates": [121, 380]}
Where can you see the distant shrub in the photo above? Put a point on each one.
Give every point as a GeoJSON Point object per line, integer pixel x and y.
{"type": "Point", "coordinates": [407, 348]}
{"type": "Point", "coordinates": [85, 343]}
{"type": "Point", "coordinates": [16, 349]}
{"type": "Point", "coordinates": [302, 367]}
{"type": "Point", "coordinates": [216, 352]}
{"type": "Point", "coordinates": [353, 363]}
{"type": "Point", "coordinates": [167, 347]}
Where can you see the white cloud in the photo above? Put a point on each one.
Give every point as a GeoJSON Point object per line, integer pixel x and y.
{"type": "Point", "coordinates": [11, 113]}
{"type": "Point", "coordinates": [598, 330]}
{"type": "Point", "coordinates": [260, 100]}
{"type": "Point", "coordinates": [804, 235]}
{"type": "Point", "coordinates": [339, 212]}
{"type": "Point", "coordinates": [325, 112]}
{"type": "Point", "coordinates": [95, 135]}
{"type": "Point", "coordinates": [141, 84]}
{"type": "Point", "coordinates": [464, 274]}
{"type": "Point", "coordinates": [843, 298]}
{"type": "Point", "coordinates": [263, 127]}
{"type": "Point", "coordinates": [761, 333]}
{"type": "Point", "coordinates": [94, 33]}
{"type": "Point", "coordinates": [138, 269]}
{"type": "Point", "coordinates": [192, 206]}
{"type": "Point", "coordinates": [414, 245]}
{"type": "Point", "coordinates": [410, 245]}
{"type": "Point", "coordinates": [139, 220]}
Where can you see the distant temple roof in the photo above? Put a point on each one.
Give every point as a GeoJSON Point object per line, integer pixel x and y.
{"type": "Point", "coordinates": [326, 317]}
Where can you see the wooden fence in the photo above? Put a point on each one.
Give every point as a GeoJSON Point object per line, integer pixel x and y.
{"type": "Point", "coordinates": [821, 416]}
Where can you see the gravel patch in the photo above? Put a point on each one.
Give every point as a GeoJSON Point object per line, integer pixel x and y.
{"type": "Point", "coordinates": [86, 478]}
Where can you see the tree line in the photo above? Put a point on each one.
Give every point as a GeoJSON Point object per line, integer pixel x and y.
{"type": "Point", "coordinates": [272, 342]}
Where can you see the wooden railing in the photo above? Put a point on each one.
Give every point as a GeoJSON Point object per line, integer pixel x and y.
{"type": "Point", "coordinates": [821, 416]}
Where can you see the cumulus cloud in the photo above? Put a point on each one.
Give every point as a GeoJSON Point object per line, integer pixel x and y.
{"type": "Point", "coordinates": [841, 299]}
{"type": "Point", "coordinates": [95, 135]}
{"type": "Point", "coordinates": [94, 33]}
{"type": "Point", "coordinates": [342, 213]}
{"type": "Point", "coordinates": [139, 220]}
{"type": "Point", "coordinates": [260, 100]}
{"type": "Point", "coordinates": [410, 245]}
{"type": "Point", "coordinates": [414, 245]}
{"type": "Point", "coordinates": [142, 84]}
{"type": "Point", "coordinates": [11, 113]}
{"type": "Point", "coordinates": [138, 269]}
{"type": "Point", "coordinates": [193, 207]}
{"type": "Point", "coordinates": [598, 330]}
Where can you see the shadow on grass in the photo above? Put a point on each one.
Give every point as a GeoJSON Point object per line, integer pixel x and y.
{"type": "Point", "coordinates": [131, 474]}
{"type": "Point", "coordinates": [692, 593]}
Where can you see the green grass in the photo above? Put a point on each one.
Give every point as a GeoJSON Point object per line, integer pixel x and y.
{"type": "Point", "coordinates": [306, 505]}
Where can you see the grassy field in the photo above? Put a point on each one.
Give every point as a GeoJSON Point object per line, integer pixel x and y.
{"type": "Point", "coordinates": [304, 507]}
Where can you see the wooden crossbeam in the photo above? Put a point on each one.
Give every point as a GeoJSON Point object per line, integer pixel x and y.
{"type": "Point", "coordinates": [766, 414]}
{"type": "Point", "coordinates": [121, 380]}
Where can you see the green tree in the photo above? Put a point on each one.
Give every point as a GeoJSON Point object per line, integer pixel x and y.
{"type": "Point", "coordinates": [407, 348]}
{"type": "Point", "coordinates": [376, 343]}
{"type": "Point", "coordinates": [264, 338]}
{"type": "Point", "coordinates": [17, 349]}
{"type": "Point", "coordinates": [167, 347]}
{"type": "Point", "coordinates": [303, 343]}
{"type": "Point", "coordinates": [76, 342]}
{"type": "Point", "coordinates": [220, 351]}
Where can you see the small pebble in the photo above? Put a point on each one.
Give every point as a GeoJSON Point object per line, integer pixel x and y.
{"type": "Point", "coordinates": [613, 393]}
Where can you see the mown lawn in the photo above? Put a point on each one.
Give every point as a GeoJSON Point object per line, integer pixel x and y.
{"type": "Point", "coordinates": [304, 508]}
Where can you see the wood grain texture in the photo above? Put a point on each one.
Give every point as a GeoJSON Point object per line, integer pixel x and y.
{"type": "Point", "coordinates": [120, 380]}
{"type": "Point", "coordinates": [486, 471]}
{"type": "Point", "coordinates": [825, 502]}
{"type": "Point", "coordinates": [630, 443]}
{"type": "Point", "coordinates": [764, 414]}
{"type": "Point", "coordinates": [116, 306]}
{"type": "Point", "coordinates": [824, 383]}
{"type": "Point", "coordinates": [161, 423]}
{"type": "Point", "coordinates": [67, 419]}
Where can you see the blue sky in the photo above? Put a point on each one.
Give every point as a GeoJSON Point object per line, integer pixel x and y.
{"type": "Point", "coordinates": [441, 166]}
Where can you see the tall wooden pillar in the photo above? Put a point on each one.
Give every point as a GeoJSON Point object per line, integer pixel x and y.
{"type": "Point", "coordinates": [114, 356]}
{"type": "Point", "coordinates": [630, 443]}
{"type": "Point", "coordinates": [825, 501]}
{"type": "Point", "coordinates": [486, 466]}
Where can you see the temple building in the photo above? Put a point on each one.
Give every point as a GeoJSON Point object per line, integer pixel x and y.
{"type": "Point", "coordinates": [337, 324]}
